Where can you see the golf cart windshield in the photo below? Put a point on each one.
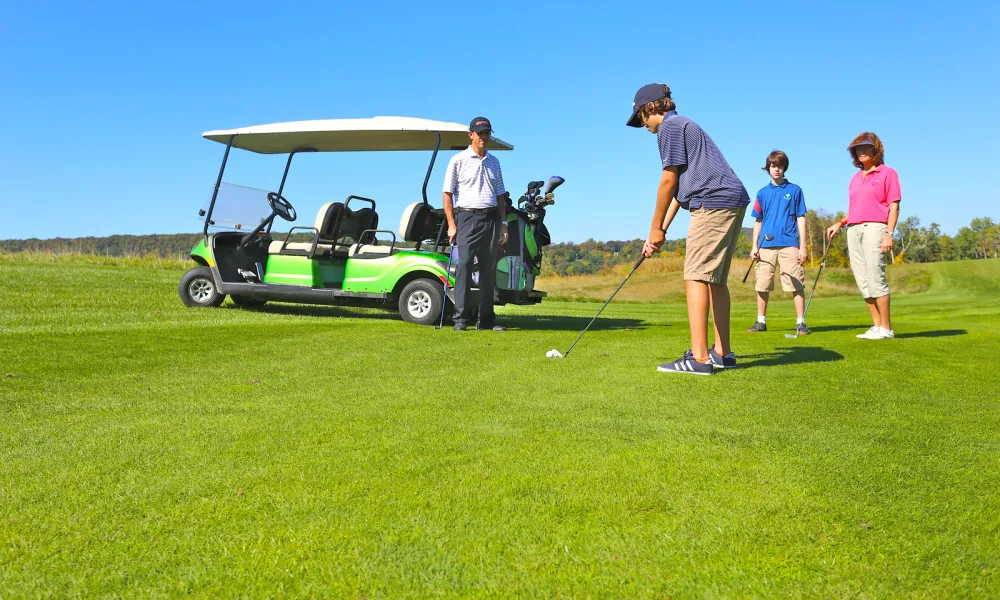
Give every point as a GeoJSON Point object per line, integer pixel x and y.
{"type": "Point", "coordinates": [237, 207]}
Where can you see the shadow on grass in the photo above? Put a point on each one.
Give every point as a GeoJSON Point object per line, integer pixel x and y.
{"type": "Point", "coordinates": [932, 334]}
{"type": "Point", "coordinates": [553, 323]}
{"type": "Point", "coordinates": [790, 356]}
{"type": "Point", "coordinates": [859, 328]}
{"type": "Point", "coordinates": [321, 311]}
{"type": "Point", "coordinates": [523, 322]}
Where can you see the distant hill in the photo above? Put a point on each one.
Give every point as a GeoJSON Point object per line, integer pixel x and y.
{"type": "Point", "coordinates": [913, 243]}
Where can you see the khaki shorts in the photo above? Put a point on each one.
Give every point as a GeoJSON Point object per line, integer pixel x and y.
{"type": "Point", "coordinates": [793, 274]}
{"type": "Point", "coordinates": [864, 244]}
{"type": "Point", "coordinates": [711, 242]}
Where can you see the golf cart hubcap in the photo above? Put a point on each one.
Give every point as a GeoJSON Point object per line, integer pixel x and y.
{"type": "Point", "coordinates": [201, 290]}
{"type": "Point", "coordinates": [419, 304]}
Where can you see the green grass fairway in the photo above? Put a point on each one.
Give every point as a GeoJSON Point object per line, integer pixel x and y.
{"type": "Point", "coordinates": [151, 450]}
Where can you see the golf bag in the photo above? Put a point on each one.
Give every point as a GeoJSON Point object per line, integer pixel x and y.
{"type": "Point", "coordinates": [521, 257]}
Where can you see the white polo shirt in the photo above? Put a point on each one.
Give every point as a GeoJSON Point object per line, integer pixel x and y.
{"type": "Point", "coordinates": [474, 182]}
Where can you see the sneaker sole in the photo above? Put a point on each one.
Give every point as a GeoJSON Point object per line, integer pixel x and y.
{"type": "Point", "coordinates": [681, 372]}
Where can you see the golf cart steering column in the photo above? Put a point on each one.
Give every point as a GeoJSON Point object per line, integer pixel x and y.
{"type": "Point", "coordinates": [280, 207]}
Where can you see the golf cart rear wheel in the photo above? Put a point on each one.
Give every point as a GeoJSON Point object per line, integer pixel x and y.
{"type": "Point", "coordinates": [244, 302]}
{"type": "Point", "coordinates": [197, 288]}
{"type": "Point", "coordinates": [420, 302]}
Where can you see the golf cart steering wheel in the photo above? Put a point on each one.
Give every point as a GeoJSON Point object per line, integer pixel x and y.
{"type": "Point", "coordinates": [281, 206]}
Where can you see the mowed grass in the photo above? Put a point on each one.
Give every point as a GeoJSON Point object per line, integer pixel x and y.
{"type": "Point", "coordinates": [150, 450]}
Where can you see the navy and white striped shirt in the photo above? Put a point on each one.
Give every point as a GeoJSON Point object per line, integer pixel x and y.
{"type": "Point", "coordinates": [704, 179]}
{"type": "Point", "coordinates": [474, 182]}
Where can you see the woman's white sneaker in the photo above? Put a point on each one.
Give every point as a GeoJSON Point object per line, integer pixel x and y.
{"type": "Point", "coordinates": [885, 334]}
{"type": "Point", "coordinates": [870, 334]}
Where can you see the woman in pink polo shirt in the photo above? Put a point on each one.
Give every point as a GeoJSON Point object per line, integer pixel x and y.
{"type": "Point", "coordinates": [871, 220]}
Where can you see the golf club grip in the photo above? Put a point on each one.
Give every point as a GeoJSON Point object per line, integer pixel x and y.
{"type": "Point", "coordinates": [642, 257]}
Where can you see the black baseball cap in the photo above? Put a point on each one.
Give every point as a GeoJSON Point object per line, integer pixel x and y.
{"type": "Point", "coordinates": [480, 124]}
{"type": "Point", "coordinates": [648, 93]}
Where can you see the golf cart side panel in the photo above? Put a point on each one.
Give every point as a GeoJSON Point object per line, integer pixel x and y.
{"type": "Point", "coordinates": [380, 275]}
{"type": "Point", "coordinates": [302, 294]}
{"type": "Point", "coordinates": [304, 271]}
{"type": "Point", "coordinates": [202, 254]}
{"type": "Point", "coordinates": [285, 269]}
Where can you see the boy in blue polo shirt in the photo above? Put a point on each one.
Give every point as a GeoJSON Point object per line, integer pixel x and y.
{"type": "Point", "coordinates": [779, 239]}
{"type": "Point", "coordinates": [695, 176]}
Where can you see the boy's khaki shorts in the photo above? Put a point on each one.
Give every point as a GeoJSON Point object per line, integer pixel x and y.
{"type": "Point", "coordinates": [793, 274]}
{"type": "Point", "coordinates": [711, 242]}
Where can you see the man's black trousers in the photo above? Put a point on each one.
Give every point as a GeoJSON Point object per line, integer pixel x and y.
{"type": "Point", "coordinates": [477, 238]}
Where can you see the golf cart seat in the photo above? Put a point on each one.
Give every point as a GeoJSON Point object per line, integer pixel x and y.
{"type": "Point", "coordinates": [326, 221]}
{"type": "Point", "coordinates": [371, 250]}
{"type": "Point", "coordinates": [338, 227]}
{"type": "Point", "coordinates": [420, 222]}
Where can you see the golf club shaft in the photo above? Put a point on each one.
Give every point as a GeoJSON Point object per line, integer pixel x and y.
{"type": "Point", "coordinates": [750, 268]}
{"type": "Point", "coordinates": [822, 263]}
{"type": "Point", "coordinates": [444, 300]}
{"type": "Point", "coordinates": [642, 257]}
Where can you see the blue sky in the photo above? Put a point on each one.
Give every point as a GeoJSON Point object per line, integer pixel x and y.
{"type": "Point", "coordinates": [104, 104]}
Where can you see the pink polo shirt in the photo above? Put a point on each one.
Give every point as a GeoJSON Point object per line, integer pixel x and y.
{"type": "Point", "coordinates": [871, 195]}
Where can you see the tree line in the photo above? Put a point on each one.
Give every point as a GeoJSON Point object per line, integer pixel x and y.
{"type": "Point", "coordinates": [913, 243]}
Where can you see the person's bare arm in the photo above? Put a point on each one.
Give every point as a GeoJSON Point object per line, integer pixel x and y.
{"type": "Point", "coordinates": [803, 248]}
{"type": "Point", "coordinates": [449, 214]}
{"type": "Point", "coordinates": [663, 214]}
{"type": "Point", "coordinates": [890, 226]}
{"type": "Point", "coordinates": [754, 243]}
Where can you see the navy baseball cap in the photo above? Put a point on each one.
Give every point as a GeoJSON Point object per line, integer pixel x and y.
{"type": "Point", "coordinates": [480, 124]}
{"type": "Point", "coordinates": [647, 93]}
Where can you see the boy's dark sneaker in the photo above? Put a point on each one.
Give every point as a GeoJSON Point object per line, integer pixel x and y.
{"type": "Point", "coordinates": [758, 327]}
{"type": "Point", "coordinates": [688, 365]}
{"type": "Point", "coordinates": [801, 329]}
{"type": "Point", "coordinates": [721, 362]}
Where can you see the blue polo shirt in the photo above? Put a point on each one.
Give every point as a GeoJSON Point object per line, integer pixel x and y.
{"type": "Point", "coordinates": [778, 207]}
{"type": "Point", "coordinates": [704, 178]}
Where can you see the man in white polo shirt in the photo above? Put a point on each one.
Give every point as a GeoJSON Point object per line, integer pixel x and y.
{"type": "Point", "coordinates": [475, 205]}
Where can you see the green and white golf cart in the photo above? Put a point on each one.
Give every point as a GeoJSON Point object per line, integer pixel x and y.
{"type": "Point", "coordinates": [341, 260]}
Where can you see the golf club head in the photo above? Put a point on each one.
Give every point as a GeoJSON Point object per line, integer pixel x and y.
{"type": "Point", "coordinates": [554, 182]}
{"type": "Point", "coordinates": [790, 336]}
{"type": "Point", "coordinates": [534, 185]}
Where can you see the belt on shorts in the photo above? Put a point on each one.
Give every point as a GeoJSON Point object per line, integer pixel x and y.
{"type": "Point", "coordinates": [479, 211]}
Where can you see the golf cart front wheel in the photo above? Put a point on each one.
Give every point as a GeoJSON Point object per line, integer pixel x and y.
{"type": "Point", "coordinates": [420, 302]}
{"type": "Point", "coordinates": [197, 288]}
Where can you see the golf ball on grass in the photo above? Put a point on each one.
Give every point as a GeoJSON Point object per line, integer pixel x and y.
{"type": "Point", "coordinates": [553, 353]}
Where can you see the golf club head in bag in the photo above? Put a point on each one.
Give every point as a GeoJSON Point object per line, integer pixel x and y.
{"type": "Point", "coordinates": [554, 182]}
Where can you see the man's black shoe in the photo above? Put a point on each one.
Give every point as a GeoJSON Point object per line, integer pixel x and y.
{"type": "Point", "coordinates": [494, 328]}
{"type": "Point", "coordinates": [460, 326]}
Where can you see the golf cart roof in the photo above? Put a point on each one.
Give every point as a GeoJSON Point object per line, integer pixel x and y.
{"type": "Point", "coordinates": [351, 135]}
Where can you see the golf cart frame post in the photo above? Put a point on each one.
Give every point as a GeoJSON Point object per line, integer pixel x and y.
{"type": "Point", "coordinates": [281, 186]}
